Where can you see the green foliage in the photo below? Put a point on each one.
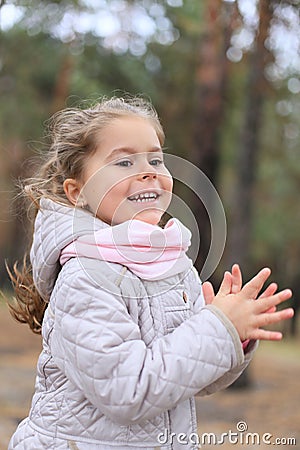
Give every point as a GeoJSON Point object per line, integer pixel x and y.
{"type": "Point", "coordinates": [99, 72]}
{"type": "Point", "coordinates": [27, 82]}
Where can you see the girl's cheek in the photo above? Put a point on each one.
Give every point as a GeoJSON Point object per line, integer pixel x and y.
{"type": "Point", "coordinates": [168, 181]}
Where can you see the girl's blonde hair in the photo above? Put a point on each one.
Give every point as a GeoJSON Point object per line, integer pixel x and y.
{"type": "Point", "coordinates": [73, 135]}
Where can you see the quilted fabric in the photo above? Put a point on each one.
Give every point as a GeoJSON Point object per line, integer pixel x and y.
{"type": "Point", "coordinates": [122, 358]}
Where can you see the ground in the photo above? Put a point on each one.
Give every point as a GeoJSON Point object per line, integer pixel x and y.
{"type": "Point", "coordinates": [271, 405]}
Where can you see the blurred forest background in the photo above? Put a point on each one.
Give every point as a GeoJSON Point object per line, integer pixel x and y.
{"type": "Point", "coordinates": [225, 78]}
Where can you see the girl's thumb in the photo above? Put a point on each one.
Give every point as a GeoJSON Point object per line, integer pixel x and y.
{"type": "Point", "coordinates": [208, 292]}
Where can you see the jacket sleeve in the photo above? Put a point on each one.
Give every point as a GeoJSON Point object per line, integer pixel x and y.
{"type": "Point", "coordinates": [99, 348]}
{"type": "Point", "coordinates": [228, 377]}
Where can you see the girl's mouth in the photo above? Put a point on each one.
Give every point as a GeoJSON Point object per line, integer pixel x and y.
{"type": "Point", "coordinates": [144, 197]}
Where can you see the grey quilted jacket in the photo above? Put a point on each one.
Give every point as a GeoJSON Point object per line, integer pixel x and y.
{"type": "Point", "coordinates": [122, 357]}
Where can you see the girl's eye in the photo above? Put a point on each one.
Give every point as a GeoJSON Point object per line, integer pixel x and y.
{"type": "Point", "coordinates": [124, 163]}
{"type": "Point", "coordinates": [156, 162]}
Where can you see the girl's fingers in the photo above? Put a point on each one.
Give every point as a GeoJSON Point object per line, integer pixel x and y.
{"type": "Point", "coordinates": [237, 280]}
{"type": "Point", "coordinates": [226, 284]}
{"type": "Point", "coordinates": [264, 304]}
{"type": "Point", "coordinates": [268, 319]}
{"type": "Point", "coordinates": [208, 292]}
{"type": "Point", "coordinates": [270, 290]}
{"type": "Point", "coordinates": [275, 317]}
{"type": "Point", "coordinates": [271, 310]}
{"type": "Point", "coordinates": [254, 286]}
{"type": "Point", "coordinates": [266, 335]}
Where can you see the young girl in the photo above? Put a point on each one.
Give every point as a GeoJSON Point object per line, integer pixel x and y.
{"type": "Point", "coordinates": [127, 337]}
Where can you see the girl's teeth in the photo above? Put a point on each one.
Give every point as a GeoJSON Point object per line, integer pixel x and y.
{"type": "Point", "coordinates": [143, 197]}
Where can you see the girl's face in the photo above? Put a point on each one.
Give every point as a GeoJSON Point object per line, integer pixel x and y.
{"type": "Point", "coordinates": [126, 177]}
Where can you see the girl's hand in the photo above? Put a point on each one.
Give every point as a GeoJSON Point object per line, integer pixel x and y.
{"type": "Point", "coordinates": [236, 285]}
{"type": "Point", "coordinates": [247, 315]}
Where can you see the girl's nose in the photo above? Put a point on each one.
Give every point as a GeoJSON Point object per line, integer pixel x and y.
{"type": "Point", "coordinates": [149, 174]}
{"type": "Point", "coordinates": [147, 171]}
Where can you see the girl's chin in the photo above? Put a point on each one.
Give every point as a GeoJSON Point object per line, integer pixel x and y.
{"type": "Point", "coordinates": [150, 216]}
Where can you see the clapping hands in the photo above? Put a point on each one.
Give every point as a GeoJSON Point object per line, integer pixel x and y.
{"type": "Point", "coordinates": [248, 311]}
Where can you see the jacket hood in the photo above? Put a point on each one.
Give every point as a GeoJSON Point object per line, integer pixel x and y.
{"type": "Point", "coordinates": [56, 226]}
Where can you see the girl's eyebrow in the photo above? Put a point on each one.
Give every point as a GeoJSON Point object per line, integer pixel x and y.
{"type": "Point", "coordinates": [114, 154]}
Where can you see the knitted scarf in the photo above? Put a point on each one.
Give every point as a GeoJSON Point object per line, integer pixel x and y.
{"type": "Point", "coordinates": [150, 252]}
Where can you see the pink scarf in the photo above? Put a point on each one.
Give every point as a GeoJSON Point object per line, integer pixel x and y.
{"type": "Point", "coordinates": [151, 252]}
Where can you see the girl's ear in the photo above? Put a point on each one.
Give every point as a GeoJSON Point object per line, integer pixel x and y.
{"type": "Point", "coordinates": [73, 191]}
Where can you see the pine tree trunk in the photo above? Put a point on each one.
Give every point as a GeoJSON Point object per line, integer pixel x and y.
{"type": "Point", "coordinates": [63, 81]}
{"type": "Point", "coordinates": [242, 213]}
{"type": "Point", "coordinates": [210, 85]}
